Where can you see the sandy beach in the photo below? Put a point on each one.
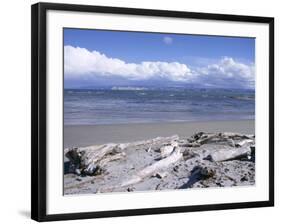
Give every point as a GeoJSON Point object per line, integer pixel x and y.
{"type": "Point", "coordinates": [145, 157]}
{"type": "Point", "coordinates": [139, 121]}
{"type": "Point", "coordinates": [85, 135]}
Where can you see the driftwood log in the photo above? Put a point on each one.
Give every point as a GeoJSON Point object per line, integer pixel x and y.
{"type": "Point", "coordinates": [175, 156]}
{"type": "Point", "coordinates": [232, 139]}
{"type": "Point", "coordinates": [166, 150]}
{"type": "Point", "coordinates": [88, 159]}
{"type": "Point", "coordinates": [198, 173]}
{"type": "Point", "coordinates": [221, 155]}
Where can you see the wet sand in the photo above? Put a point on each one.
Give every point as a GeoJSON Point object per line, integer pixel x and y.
{"type": "Point", "coordinates": [85, 135]}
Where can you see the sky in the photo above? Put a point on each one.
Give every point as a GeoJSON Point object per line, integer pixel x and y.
{"type": "Point", "coordinates": [97, 58]}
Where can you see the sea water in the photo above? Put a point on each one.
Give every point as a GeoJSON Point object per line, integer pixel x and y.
{"type": "Point", "coordinates": [122, 105]}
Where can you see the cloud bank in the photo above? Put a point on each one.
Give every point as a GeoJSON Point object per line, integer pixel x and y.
{"type": "Point", "coordinates": [80, 63]}
{"type": "Point", "coordinates": [227, 73]}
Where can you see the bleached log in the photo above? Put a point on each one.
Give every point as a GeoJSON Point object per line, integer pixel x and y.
{"type": "Point", "coordinates": [244, 142]}
{"type": "Point", "coordinates": [112, 158]}
{"type": "Point", "coordinates": [193, 144]}
{"type": "Point", "coordinates": [230, 154]}
{"type": "Point", "coordinates": [148, 150]}
{"type": "Point", "coordinates": [198, 173]}
{"type": "Point", "coordinates": [175, 156]}
{"type": "Point", "coordinates": [87, 158]}
{"type": "Point", "coordinates": [161, 175]}
{"type": "Point", "coordinates": [90, 169]}
{"type": "Point", "coordinates": [168, 149]}
{"type": "Point", "coordinates": [230, 142]}
{"type": "Point", "coordinates": [250, 136]}
{"type": "Point", "coordinates": [236, 136]}
{"type": "Point", "coordinates": [93, 156]}
{"type": "Point", "coordinates": [206, 138]}
{"type": "Point", "coordinates": [201, 138]}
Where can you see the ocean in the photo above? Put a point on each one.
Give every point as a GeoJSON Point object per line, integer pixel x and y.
{"type": "Point", "coordinates": [122, 105]}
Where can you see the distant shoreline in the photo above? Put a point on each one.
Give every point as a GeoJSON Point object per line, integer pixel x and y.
{"type": "Point", "coordinates": [84, 135]}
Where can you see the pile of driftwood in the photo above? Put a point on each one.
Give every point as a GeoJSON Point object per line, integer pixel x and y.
{"type": "Point", "coordinates": [201, 154]}
{"type": "Point", "coordinates": [242, 146]}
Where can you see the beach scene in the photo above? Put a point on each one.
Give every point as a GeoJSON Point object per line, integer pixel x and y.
{"type": "Point", "coordinates": [157, 111]}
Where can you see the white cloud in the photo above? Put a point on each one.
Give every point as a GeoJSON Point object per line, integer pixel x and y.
{"type": "Point", "coordinates": [228, 72]}
{"type": "Point", "coordinates": [168, 40]}
{"type": "Point", "coordinates": [81, 63]}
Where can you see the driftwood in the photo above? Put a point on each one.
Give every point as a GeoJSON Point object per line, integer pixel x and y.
{"type": "Point", "coordinates": [198, 173]}
{"type": "Point", "coordinates": [205, 164]}
{"type": "Point", "coordinates": [122, 146]}
{"type": "Point", "coordinates": [108, 159]}
{"type": "Point", "coordinates": [175, 156]}
{"type": "Point", "coordinates": [205, 138]}
{"type": "Point", "coordinates": [86, 160]}
{"type": "Point", "coordinates": [244, 142]}
{"type": "Point", "coordinates": [231, 139]}
{"type": "Point", "coordinates": [160, 175]}
{"type": "Point", "coordinates": [229, 154]}
{"type": "Point", "coordinates": [95, 168]}
{"type": "Point", "coordinates": [93, 156]}
{"type": "Point", "coordinates": [193, 144]}
{"type": "Point", "coordinates": [166, 150]}
{"type": "Point", "coordinates": [157, 140]}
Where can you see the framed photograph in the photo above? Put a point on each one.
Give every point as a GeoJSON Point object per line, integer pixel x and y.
{"type": "Point", "coordinates": [140, 111]}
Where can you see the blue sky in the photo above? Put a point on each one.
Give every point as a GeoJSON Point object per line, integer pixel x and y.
{"type": "Point", "coordinates": [96, 57]}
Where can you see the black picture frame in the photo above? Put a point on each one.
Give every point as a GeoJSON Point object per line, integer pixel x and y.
{"type": "Point", "coordinates": [39, 107]}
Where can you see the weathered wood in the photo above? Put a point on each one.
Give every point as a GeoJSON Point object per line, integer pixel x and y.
{"type": "Point", "coordinates": [111, 158]}
{"type": "Point", "coordinates": [166, 150]}
{"type": "Point", "coordinates": [157, 140]}
{"type": "Point", "coordinates": [198, 173]}
{"type": "Point", "coordinates": [230, 154]}
{"type": "Point", "coordinates": [193, 144]}
{"type": "Point", "coordinates": [201, 138]}
{"type": "Point", "coordinates": [97, 172]}
{"type": "Point", "coordinates": [230, 142]}
{"type": "Point", "coordinates": [161, 175]}
{"type": "Point", "coordinates": [150, 170]}
{"type": "Point", "coordinates": [93, 156]}
{"type": "Point", "coordinates": [86, 159]}
{"type": "Point", "coordinates": [90, 169]}
{"type": "Point", "coordinates": [205, 138]}
{"type": "Point", "coordinates": [244, 142]}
